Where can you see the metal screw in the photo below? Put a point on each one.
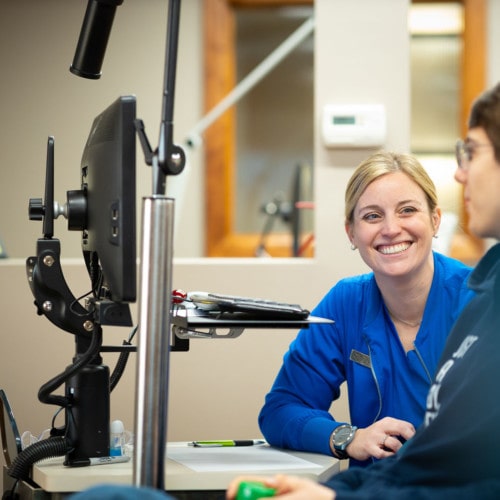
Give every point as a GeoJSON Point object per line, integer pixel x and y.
{"type": "Point", "coordinates": [88, 325]}
{"type": "Point", "coordinates": [176, 159]}
{"type": "Point", "coordinates": [48, 260]}
{"type": "Point", "coordinates": [47, 306]}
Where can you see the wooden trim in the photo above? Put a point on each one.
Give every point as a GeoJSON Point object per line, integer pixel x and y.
{"type": "Point", "coordinates": [467, 247]}
{"type": "Point", "coordinates": [244, 245]}
{"type": "Point", "coordinates": [220, 78]}
{"type": "Point", "coordinates": [268, 3]}
{"type": "Point", "coordinates": [474, 55]}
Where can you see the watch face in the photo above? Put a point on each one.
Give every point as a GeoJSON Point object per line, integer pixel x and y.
{"type": "Point", "coordinates": [342, 435]}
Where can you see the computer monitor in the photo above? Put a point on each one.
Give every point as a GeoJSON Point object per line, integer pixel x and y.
{"type": "Point", "coordinates": [108, 191]}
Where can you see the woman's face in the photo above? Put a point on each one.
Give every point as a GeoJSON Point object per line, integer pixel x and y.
{"type": "Point", "coordinates": [393, 227]}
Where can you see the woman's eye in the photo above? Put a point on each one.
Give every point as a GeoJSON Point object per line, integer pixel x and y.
{"type": "Point", "coordinates": [371, 217]}
{"type": "Point", "coordinates": [408, 210]}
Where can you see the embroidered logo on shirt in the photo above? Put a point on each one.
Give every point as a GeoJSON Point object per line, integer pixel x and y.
{"type": "Point", "coordinates": [360, 358]}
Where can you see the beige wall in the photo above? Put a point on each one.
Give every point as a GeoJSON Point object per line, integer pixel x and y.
{"type": "Point", "coordinates": [217, 388]}
{"type": "Point", "coordinates": [40, 97]}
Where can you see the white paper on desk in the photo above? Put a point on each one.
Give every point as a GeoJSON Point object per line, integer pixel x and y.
{"type": "Point", "coordinates": [248, 459]}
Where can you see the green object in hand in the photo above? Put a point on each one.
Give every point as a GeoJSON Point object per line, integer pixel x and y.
{"type": "Point", "coordinates": [251, 491]}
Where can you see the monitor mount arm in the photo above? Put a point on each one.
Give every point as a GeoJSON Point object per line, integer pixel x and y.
{"type": "Point", "coordinates": [54, 299]}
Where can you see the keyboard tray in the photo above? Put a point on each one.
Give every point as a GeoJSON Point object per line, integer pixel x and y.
{"type": "Point", "coordinates": [254, 307]}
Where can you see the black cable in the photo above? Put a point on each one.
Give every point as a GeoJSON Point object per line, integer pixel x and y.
{"type": "Point", "coordinates": [122, 362]}
{"type": "Point", "coordinates": [119, 368]}
{"type": "Point", "coordinates": [51, 447]}
{"type": "Point", "coordinates": [44, 394]}
{"type": "Point", "coordinates": [11, 494]}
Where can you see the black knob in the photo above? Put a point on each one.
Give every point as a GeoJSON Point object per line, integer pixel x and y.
{"type": "Point", "coordinates": [36, 209]}
{"type": "Point", "coordinates": [77, 210]}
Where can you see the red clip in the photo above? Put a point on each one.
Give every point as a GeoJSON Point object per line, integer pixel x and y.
{"type": "Point", "coordinates": [178, 296]}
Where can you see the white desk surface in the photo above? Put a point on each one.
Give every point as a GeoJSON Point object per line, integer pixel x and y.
{"type": "Point", "coordinates": [52, 476]}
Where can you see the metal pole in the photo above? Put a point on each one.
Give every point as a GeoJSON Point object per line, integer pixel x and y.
{"type": "Point", "coordinates": [153, 343]}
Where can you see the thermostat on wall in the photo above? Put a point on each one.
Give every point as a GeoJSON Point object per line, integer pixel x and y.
{"type": "Point", "coordinates": [353, 125]}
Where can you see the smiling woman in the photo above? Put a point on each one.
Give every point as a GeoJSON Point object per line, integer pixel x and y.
{"type": "Point", "coordinates": [394, 236]}
{"type": "Point", "coordinates": [391, 217]}
{"type": "Point", "coordinates": [390, 324]}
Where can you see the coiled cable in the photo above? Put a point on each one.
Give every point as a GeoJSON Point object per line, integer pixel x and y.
{"type": "Point", "coordinates": [20, 467]}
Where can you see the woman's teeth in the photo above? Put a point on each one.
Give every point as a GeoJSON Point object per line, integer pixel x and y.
{"type": "Point", "coordinates": [387, 250]}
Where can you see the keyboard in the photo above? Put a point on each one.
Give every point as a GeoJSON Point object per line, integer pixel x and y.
{"type": "Point", "coordinates": [255, 307]}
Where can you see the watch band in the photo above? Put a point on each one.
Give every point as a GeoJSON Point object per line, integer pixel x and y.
{"type": "Point", "coordinates": [341, 455]}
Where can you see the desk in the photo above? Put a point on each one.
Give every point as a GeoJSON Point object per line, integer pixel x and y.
{"type": "Point", "coordinates": [181, 480]}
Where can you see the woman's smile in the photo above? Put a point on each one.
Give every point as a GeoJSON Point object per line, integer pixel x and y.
{"type": "Point", "coordinates": [395, 248]}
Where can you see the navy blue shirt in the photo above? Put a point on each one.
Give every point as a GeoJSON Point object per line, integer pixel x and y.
{"type": "Point", "coordinates": [455, 452]}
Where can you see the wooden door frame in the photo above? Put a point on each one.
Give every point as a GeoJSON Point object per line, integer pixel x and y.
{"type": "Point", "coordinates": [467, 247]}
{"type": "Point", "coordinates": [220, 78]}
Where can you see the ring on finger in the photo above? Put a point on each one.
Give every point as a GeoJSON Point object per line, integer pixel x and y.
{"type": "Point", "coordinates": [383, 442]}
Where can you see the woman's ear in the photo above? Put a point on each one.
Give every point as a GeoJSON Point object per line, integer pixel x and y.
{"type": "Point", "coordinates": [349, 232]}
{"type": "Point", "coordinates": [436, 219]}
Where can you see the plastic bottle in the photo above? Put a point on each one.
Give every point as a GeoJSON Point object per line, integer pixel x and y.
{"type": "Point", "coordinates": [117, 437]}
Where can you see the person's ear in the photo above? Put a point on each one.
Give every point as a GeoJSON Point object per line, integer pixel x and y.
{"type": "Point", "coordinates": [436, 220]}
{"type": "Point", "coordinates": [349, 232]}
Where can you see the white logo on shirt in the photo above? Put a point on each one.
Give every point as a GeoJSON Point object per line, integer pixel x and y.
{"type": "Point", "coordinates": [433, 404]}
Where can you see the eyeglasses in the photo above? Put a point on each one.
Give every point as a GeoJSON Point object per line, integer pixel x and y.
{"type": "Point", "coordinates": [464, 152]}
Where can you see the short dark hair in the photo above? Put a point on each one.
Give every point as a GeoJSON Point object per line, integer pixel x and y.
{"type": "Point", "coordinates": [485, 113]}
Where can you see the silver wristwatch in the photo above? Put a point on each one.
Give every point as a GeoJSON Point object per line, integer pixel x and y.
{"type": "Point", "coordinates": [341, 437]}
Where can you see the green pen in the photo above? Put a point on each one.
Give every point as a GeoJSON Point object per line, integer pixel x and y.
{"type": "Point", "coordinates": [226, 442]}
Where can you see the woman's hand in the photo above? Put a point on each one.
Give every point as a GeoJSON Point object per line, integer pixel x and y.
{"type": "Point", "coordinates": [381, 439]}
{"type": "Point", "coordinates": [287, 488]}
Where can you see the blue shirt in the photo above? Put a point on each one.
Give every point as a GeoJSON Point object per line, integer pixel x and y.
{"type": "Point", "coordinates": [363, 349]}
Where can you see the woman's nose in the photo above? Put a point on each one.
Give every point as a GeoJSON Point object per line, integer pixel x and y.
{"type": "Point", "coordinates": [460, 175]}
{"type": "Point", "coordinates": [391, 225]}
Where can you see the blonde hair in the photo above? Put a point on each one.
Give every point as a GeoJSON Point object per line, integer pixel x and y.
{"type": "Point", "coordinates": [383, 163]}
